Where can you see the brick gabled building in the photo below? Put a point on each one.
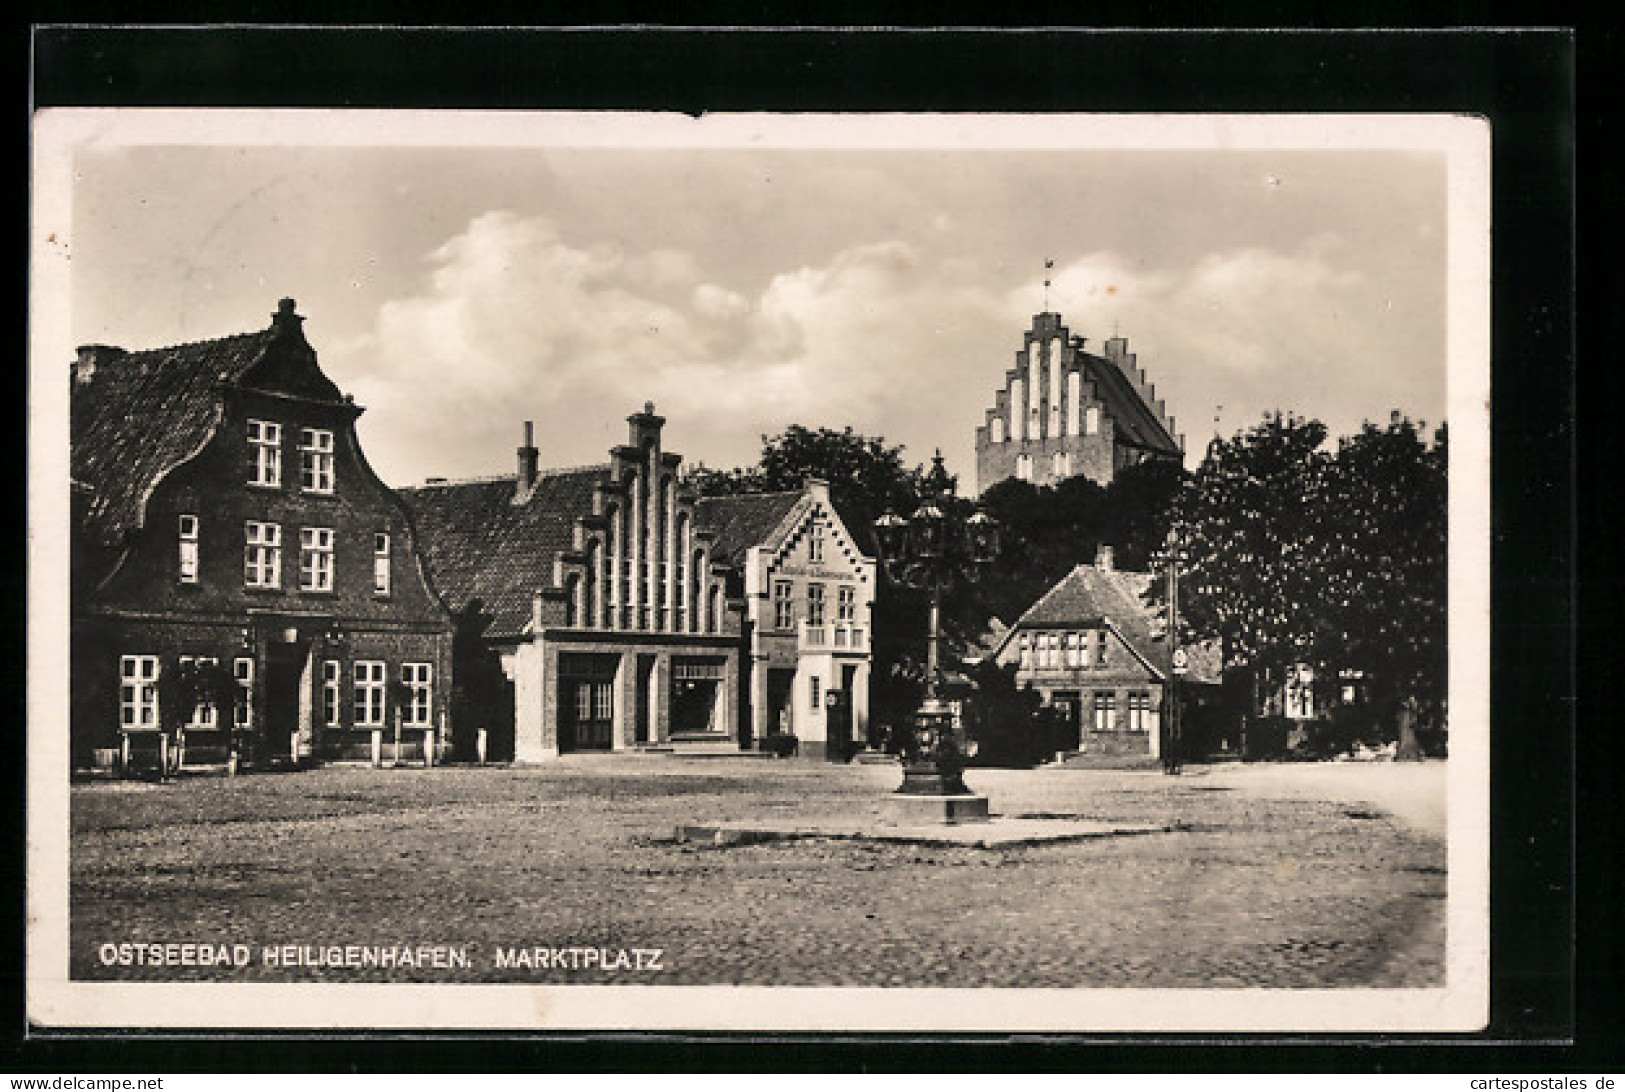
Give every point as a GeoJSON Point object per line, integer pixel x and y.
{"type": "Point", "coordinates": [226, 523]}
{"type": "Point", "coordinates": [593, 598]}
{"type": "Point", "coordinates": [809, 594]}
{"type": "Point", "coordinates": [1063, 412]}
{"type": "Point", "coordinates": [1093, 646]}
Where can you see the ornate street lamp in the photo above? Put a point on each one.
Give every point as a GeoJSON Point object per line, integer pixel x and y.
{"type": "Point", "coordinates": [931, 550]}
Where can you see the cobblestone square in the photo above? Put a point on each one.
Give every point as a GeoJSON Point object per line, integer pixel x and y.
{"type": "Point", "coordinates": [1270, 877]}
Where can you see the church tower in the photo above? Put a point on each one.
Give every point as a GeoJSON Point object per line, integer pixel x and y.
{"type": "Point", "coordinates": [1062, 412]}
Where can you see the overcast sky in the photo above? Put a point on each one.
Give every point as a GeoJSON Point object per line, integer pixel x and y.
{"type": "Point", "coordinates": [463, 285]}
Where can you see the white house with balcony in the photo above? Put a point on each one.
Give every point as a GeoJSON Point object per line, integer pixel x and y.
{"type": "Point", "coordinates": [809, 598]}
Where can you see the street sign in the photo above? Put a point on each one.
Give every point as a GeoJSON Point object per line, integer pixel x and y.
{"type": "Point", "coordinates": [1182, 662]}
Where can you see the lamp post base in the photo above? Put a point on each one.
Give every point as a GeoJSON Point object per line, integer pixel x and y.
{"type": "Point", "coordinates": [910, 810]}
{"type": "Point", "coordinates": [927, 779]}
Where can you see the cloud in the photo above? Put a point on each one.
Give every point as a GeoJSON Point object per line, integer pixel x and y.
{"type": "Point", "coordinates": [1254, 329]}
{"type": "Point", "coordinates": [518, 322]}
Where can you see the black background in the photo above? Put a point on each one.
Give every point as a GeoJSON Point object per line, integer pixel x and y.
{"type": "Point", "coordinates": [1555, 953]}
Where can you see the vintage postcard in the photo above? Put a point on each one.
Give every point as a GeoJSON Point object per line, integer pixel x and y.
{"type": "Point", "coordinates": [763, 572]}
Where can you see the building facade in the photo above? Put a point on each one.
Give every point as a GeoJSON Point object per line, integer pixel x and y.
{"type": "Point", "coordinates": [1095, 648]}
{"type": "Point", "coordinates": [1064, 412]}
{"type": "Point", "coordinates": [229, 531]}
{"type": "Point", "coordinates": [594, 597]}
{"type": "Point", "coordinates": [809, 598]}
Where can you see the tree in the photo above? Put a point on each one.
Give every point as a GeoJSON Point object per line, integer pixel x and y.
{"type": "Point", "coordinates": [1384, 561]}
{"type": "Point", "coordinates": [1248, 519]}
{"type": "Point", "coordinates": [1296, 555]}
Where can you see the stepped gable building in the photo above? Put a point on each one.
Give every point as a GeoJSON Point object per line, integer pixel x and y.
{"type": "Point", "coordinates": [597, 596]}
{"type": "Point", "coordinates": [1063, 412]}
{"type": "Point", "coordinates": [809, 593]}
{"type": "Point", "coordinates": [1094, 647]}
{"type": "Point", "coordinates": [227, 529]}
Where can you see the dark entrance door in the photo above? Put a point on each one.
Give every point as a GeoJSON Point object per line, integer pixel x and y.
{"type": "Point", "coordinates": [839, 718]}
{"type": "Point", "coordinates": [586, 701]}
{"type": "Point", "coordinates": [640, 724]}
{"type": "Point", "coordinates": [283, 665]}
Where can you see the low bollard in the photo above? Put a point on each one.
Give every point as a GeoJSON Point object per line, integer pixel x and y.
{"type": "Point", "coordinates": [479, 746]}
{"type": "Point", "coordinates": [377, 748]}
{"type": "Point", "coordinates": [428, 747]}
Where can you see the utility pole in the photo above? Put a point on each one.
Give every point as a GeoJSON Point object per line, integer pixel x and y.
{"type": "Point", "coordinates": [1172, 731]}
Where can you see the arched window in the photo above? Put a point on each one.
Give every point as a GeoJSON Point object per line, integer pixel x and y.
{"type": "Point", "coordinates": [680, 578]}
{"type": "Point", "coordinates": [592, 610]}
{"type": "Point", "coordinates": [573, 612]}
{"type": "Point", "coordinates": [696, 588]}
{"type": "Point", "coordinates": [612, 572]}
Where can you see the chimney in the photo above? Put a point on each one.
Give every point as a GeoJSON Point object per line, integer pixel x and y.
{"type": "Point", "coordinates": [284, 319]}
{"type": "Point", "coordinates": [92, 357]}
{"type": "Point", "coordinates": [1103, 558]}
{"type": "Point", "coordinates": [528, 456]}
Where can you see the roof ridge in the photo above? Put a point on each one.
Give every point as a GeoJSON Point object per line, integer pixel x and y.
{"type": "Point", "coordinates": [493, 479]}
{"type": "Point", "coordinates": [199, 343]}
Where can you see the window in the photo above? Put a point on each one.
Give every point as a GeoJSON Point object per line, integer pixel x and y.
{"type": "Point", "coordinates": [265, 449]}
{"type": "Point", "coordinates": [1105, 710]}
{"type": "Point", "coordinates": [1091, 420]}
{"type": "Point", "coordinates": [242, 669]}
{"type": "Point", "coordinates": [205, 717]}
{"type": "Point", "coordinates": [815, 604]}
{"type": "Point", "coordinates": [1102, 646]}
{"type": "Point", "coordinates": [815, 543]}
{"type": "Point", "coordinates": [188, 549]}
{"type": "Point", "coordinates": [814, 692]}
{"type": "Point", "coordinates": [1074, 653]}
{"type": "Point", "coordinates": [331, 677]}
{"type": "Point", "coordinates": [603, 701]}
{"type": "Point", "coordinates": [1061, 465]}
{"type": "Point", "coordinates": [1026, 651]}
{"type": "Point", "coordinates": [369, 694]}
{"type": "Point", "coordinates": [997, 430]}
{"type": "Point", "coordinates": [138, 693]}
{"type": "Point", "coordinates": [784, 607]}
{"type": "Point", "coordinates": [315, 460]}
{"type": "Point", "coordinates": [846, 603]}
{"type": "Point", "coordinates": [262, 555]}
{"type": "Point", "coordinates": [1024, 467]}
{"type": "Point", "coordinates": [419, 679]}
{"type": "Point", "coordinates": [1141, 717]}
{"type": "Point", "coordinates": [380, 563]}
{"type": "Point", "coordinates": [315, 559]}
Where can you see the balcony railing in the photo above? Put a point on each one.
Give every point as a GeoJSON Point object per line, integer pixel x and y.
{"type": "Point", "coordinates": [834, 636]}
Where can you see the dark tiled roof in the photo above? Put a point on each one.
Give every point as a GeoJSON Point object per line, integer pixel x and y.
{"type": "Point", "coordinates": [742, 521]}
{"type": "Point", "coordinates": [1134, 418]}
{"type": "Point", "coordinates": [478, 544]}
{"type": "Point", "coordinates": [1089, 595]}
{"type": "Point", "coordinates": [141, 414]}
